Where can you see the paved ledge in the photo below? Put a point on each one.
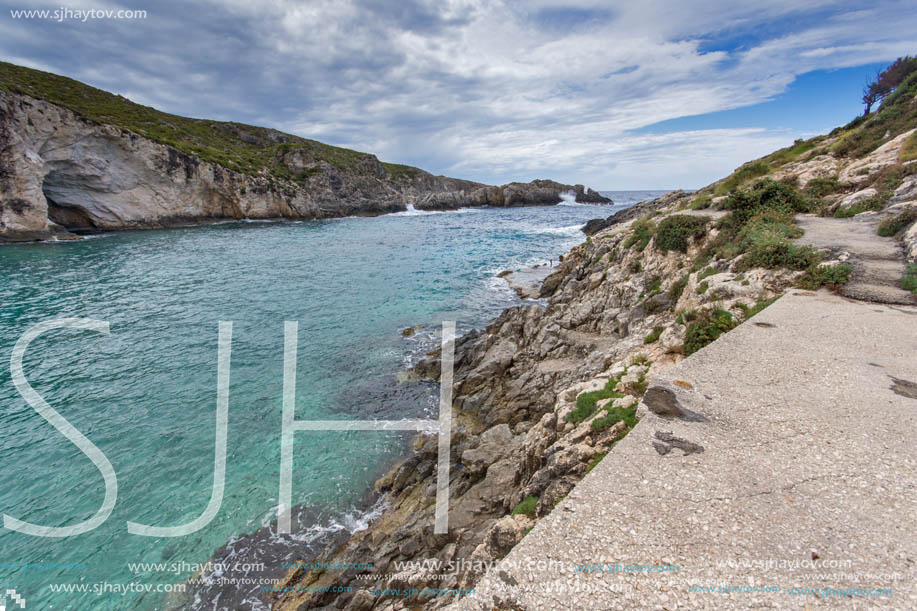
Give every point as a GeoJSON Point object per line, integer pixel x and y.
{"type": "Point", "coordinates": [808, 454]}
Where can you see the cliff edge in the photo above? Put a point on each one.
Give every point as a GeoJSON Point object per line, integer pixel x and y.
{"type": "Point", "coordinates": [76, 159]}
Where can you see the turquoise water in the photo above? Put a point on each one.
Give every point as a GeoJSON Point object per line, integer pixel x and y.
{"type": "Point", "coordinates": [145, 395]}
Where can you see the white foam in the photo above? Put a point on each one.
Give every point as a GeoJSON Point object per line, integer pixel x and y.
{"type": "Point", "coordinates": [567, 230]}
{"type": "Point", "coordinates": [412, 211]}
{"type": "Point", "coordinates": [568, 198]}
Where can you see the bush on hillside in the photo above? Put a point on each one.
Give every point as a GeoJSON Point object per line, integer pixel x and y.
{"type": "Point", "coordinates": [674, 231]}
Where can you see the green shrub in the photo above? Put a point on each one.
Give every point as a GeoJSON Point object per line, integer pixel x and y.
{"type": "Point", "coordinates": [702, 260]}
{"type": "Point", "coordinates": [765, 196]}
{"type": "Point", "coordinates": [654, 335]}
{"type": "Point", "coordinates": [743, 174]}
{"type": "Point", "coordinates": [641, 385]}
{"type": "Point", "coordinates": [654, 287]}
{"type": "Point", "coordinates": [708, 326]}
{"type": "Point", "coordinates": [627, 415]}
{"type": "Point", "coordinates": [769, 248]}
{"type": "Point", "coordinates": [643, 230]}
{"type": "Point", "coordinates": [909, 281]}
{"type": "Point", "coordinates": [677, 288]}
{"type": "Point", "coordinates": [820, 187]}
{"type": "Point", "coordinates": [870, 203]}
{"type": "Point", "coordinates": [586, 402]}
{"type": "Point", "coordinates": [526, 507]}
{"type": "Point", "coordinates": [830, 276]}
{"type": "Point", "coordinates": [641, 359]}
{"type": "Point", "coordinates": [674, 231]}
{"type": "Point", "coordinates": [748, 312]}
{"type": "Point", "coordinates": [892, 226]}
{"type": "Point", "coordinates": [908, 150]}
{"type": "Point", "coordinates": [636, 267]}
{"type": "Point", "coordinates": [701, 202]}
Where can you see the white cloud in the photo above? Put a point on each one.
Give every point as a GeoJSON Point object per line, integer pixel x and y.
{"type": "Point", "coordinates": [499, 90]}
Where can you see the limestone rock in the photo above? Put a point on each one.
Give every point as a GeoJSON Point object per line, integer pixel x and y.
{"type": "Point", "coordinates": [505, 534]}
{"type": "Point", "coordinates": [906, 191]}
{"type": "Point", "coordinates": [886, 155]}
{"type": "Point", "coordinates": [61, 172]}
{"type": "Point", "coordinates": [859, 196]}
{"type": "Point", "coordinates": [821, 166]}
{"type": "Point", "coordinates": [495, 443]}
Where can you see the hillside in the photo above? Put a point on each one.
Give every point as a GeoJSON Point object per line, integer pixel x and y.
{"type": "Point", "coordinates": [545, 395]}
{"type": "Point", "coordinates": [245, 148]}
{"type": "Point", "coordinates": [76, 159]}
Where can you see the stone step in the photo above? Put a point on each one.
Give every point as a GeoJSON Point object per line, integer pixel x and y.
{"type": "Point", "coordinates": [878, 293]}
{"type": "Point", "coordinates": [879, 271]}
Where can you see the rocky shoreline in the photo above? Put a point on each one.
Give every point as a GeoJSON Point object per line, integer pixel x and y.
{"type": "Point", "coordinates": [548, 388]}
{"type": "Point", "coordinates": [521, 436]}
{"type": "Point", "coordinates": [62, 175]}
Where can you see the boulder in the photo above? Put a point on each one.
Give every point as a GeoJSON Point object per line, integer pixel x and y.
{"type": "Point", "coordinates": [854, 198]}
{"type": "Point", "coordinates": [494, 444]}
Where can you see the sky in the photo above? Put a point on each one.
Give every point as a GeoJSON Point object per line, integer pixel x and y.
{"type": "Point", "coordinates": [650, 94]}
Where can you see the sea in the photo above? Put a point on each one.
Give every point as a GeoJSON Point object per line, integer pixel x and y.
{"type": "Point", "coordinates": [145, 393]}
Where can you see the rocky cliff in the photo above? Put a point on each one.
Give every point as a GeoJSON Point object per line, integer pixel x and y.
{"type": "Point", "coordinates": [74, 158]}
{"type": "Point", "coordinates": [540, 396]}
{"type": "Point", "coordinates": [546, 391]}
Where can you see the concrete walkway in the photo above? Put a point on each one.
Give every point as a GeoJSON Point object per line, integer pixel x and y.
{"type": "Point", "coordinates": [807, 479]}
{"type": "Point", "coordinates": [877, 262]}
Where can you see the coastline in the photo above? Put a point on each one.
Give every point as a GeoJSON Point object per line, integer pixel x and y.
{"type": "Point", "coordinates": [516, 385]}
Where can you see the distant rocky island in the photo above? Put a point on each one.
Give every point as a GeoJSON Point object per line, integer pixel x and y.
{"type": "Point", "coordinates": [78, 159]}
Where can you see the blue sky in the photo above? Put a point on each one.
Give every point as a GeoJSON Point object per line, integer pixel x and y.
{"type": "Point", "coordinates": [814, 103]}
{"type": "Point", "coordinates": [616, 95]}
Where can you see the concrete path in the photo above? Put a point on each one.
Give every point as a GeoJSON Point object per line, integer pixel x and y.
{"type": "Point", "coordinates": [878, 263]}
{"type": "Point", "coordinates": [807, 479]}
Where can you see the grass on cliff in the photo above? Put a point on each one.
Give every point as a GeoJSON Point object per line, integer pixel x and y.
{"type": "Point", "coordinates": [747, 172]}
{"type": "Point", "coordinates": [706, 326]}
{"type": "Point", "coordinates": [892, 226]}
{"type": "Point", "coordinates": [675, 231]}
{"type": "Point", "coordinates": [909, 281]}
{"type": "Point", "coordinates": [761, 227]}
{"type": "Point", "coordinates": [586, 402]}
{"type": "Point", "coordinates": [526, 507]}
{"type": "Point", "coordinates": [792, 153]}
{"type": "Point", "coordinates": [908, 151]}
{"type": "Point", "coordinates": [236, 146]}
{"type": "Point", "coordinates": [896, 115]}
{"type": "Point", "coordinates": [643, 230]}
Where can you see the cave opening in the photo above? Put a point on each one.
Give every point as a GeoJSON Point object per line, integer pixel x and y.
{"type": "Point", "coordinates": [59, 188]}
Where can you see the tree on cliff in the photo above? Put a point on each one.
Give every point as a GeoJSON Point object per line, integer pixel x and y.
{"type": "Point", "coordinates": [887, 81]}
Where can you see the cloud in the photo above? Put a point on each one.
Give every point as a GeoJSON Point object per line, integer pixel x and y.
{"type": "Point", "coordinates": [489, 90]}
